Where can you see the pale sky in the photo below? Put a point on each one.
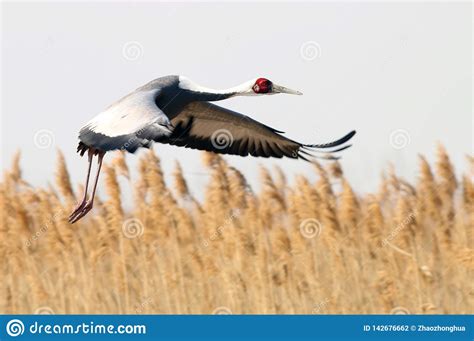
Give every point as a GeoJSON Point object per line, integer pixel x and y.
{"type": "Point", "coordinates": [398, 73]}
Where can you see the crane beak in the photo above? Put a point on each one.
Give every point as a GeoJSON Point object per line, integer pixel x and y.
{"type": "Point", "coordinates": [278, 89]}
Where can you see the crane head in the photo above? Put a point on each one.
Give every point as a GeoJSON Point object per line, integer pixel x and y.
{"type": "Point", "coordinates": [265, 86]}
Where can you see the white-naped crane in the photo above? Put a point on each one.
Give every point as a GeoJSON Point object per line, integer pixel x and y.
{"type": "Point", "coordinates": [174, 110]}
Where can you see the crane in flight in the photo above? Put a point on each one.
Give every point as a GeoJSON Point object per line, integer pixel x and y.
{"type": "Point", "coordinates": [176, 111]}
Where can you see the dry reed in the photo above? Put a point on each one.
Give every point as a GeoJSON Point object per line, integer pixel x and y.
{"type": "Point", "coordinates": [309, 247]}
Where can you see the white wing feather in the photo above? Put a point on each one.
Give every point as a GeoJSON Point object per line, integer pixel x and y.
{"type": "Point", "coordinates": [130, 115]}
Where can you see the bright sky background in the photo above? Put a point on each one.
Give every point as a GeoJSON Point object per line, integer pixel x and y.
{"type": "Point", "coordinates": [398, 73]}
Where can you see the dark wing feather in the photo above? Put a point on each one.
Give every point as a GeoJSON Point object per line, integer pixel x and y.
{"type": "Point", "coordinates": [206, 126]}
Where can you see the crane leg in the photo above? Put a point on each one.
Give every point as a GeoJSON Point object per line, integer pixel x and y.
{"type": "Point", "coordinates": [81, 204]}
{"type": "Point", "coordinates": [85, 207]}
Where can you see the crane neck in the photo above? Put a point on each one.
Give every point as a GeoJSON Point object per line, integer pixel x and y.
{"type": "Point", "coordinates": [208, 94]}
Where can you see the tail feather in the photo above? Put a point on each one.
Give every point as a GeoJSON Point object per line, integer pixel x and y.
{"type": "Point", "coordinates": [82, 148]}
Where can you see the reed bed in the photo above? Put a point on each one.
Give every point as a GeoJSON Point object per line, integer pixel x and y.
{"type": "Point", "coordinates": [306, 248]}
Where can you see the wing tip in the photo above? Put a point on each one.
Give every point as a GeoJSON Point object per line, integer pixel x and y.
{"type": "Point", "coordinates": [324, 148]}
{"type": "Point", "coordinates": [335, 143]}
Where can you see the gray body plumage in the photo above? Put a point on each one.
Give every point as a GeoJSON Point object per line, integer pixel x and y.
{"type": "Point", "coordinates": [91, 135]}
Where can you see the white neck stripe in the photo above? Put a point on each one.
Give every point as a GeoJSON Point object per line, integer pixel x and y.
{"type": "Point", "coordinates": [242, 89]}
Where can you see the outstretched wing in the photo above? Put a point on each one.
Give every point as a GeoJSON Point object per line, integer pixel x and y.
{"type": "Point", "coordinates": [132, 122]}
{"type": "Point", "coordinates": [206, 126]}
